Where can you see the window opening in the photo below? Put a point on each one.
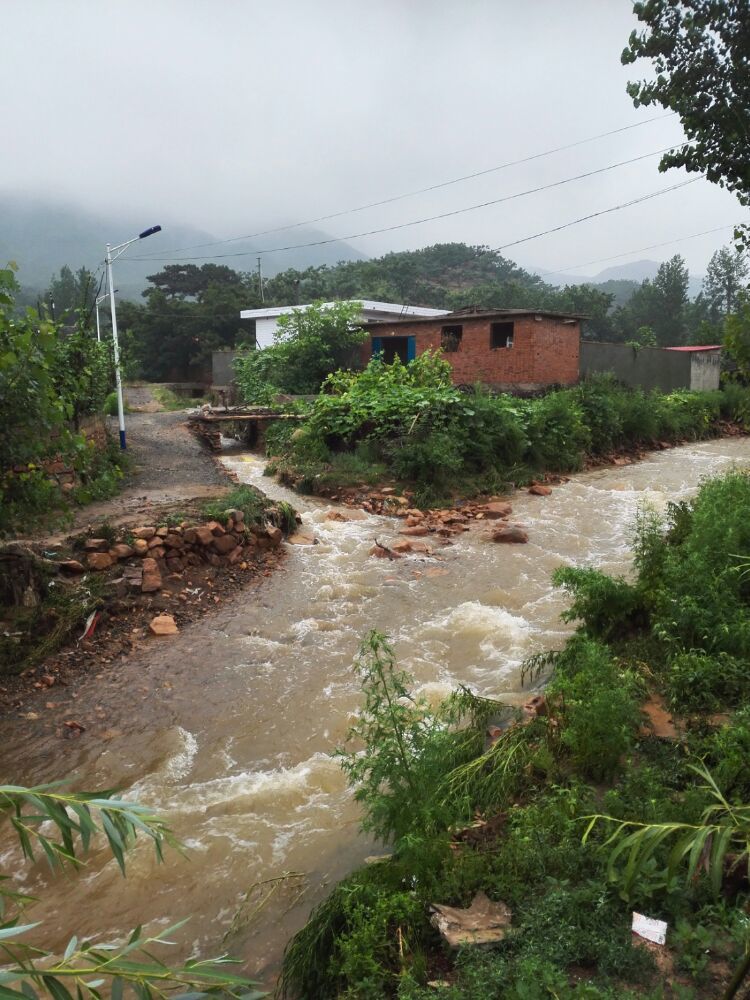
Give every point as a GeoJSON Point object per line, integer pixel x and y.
{"type": "Point", "coordinates": [450, 338]}
{"type": "Point", "coordinates": [501, 335]}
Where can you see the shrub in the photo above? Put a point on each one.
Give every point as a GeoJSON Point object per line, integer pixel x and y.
{"type": "Point", "coordinates": [558, 437]}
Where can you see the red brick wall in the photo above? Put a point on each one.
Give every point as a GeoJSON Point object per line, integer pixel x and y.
{"type": "Point", "coordinates": [544, 352]}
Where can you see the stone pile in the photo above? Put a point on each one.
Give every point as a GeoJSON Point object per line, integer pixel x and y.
{"type": "Point", "coordinates": [149, 553]}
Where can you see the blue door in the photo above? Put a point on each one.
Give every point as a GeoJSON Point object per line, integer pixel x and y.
{"type": "Point", "coordinates": [377, 345]}
{"type": "Point", "coordinates": [411, 348]}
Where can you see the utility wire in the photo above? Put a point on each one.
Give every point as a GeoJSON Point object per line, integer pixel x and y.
{"type": "Point", "coordinates": [424, 190]}
{"type": "Point", "coordinates": [594, 215]}
{"type": "Point", "coordinates": [628, 253]}
{"type": "Point", "coordinates": [413, 222]}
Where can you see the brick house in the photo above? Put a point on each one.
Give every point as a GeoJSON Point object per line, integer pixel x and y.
{"type": "Point", "coordinates": [506, 349]}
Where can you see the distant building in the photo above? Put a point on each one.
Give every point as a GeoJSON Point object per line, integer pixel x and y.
{"type": "Point", "coordinates": [267, 320]}
{"type": "Point", "coordinates": [508, 349]}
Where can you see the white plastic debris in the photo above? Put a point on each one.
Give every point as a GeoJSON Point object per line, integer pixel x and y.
{"type": "Point", "coordinates": [650, 929]}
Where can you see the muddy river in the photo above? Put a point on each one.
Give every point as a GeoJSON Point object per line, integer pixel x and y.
{"type": "Point", "coordinates": [227, 729]}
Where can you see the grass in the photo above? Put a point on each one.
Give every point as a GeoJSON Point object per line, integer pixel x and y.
{"type": "Point", "coordinates": [172, 401]}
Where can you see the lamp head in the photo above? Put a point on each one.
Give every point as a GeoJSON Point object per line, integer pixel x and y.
{"type": "Point", "coordinates": [149, 232]}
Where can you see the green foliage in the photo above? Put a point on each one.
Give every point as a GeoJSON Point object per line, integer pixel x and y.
{"type": "Point", "coordinates": [309, 344]}
{"type": "Point", "coordinates": [724, 829]}
{"type": "Point", "coordinates": [737, 338]}
{"type": "Point", "coordinates": [599, 708]}
{"type": "Point", "coordinates": [36, 816]}
{"type": "Point", "coordinates": [395, 731]}
{"type": "Point", "coordinates": [412, 420]}
{"type": "Point", "coordinates": [698, 50]}
{"type": "Point", "coordinates": [50, 379]}
{"type": "Point", "coordinates": [172, 401]}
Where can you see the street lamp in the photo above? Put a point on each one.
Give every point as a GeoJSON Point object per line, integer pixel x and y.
{"type": "Point", "coordinates": [112, 254]}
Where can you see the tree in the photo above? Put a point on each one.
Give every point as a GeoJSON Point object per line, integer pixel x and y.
{"type": "Point", "coordinates": [28, 972]}
{"type": "Point", "coordinates": [661, 304]}
{"type": "Point", "coordinates": [724, 280]}
{"type": "Point", "coordinates": [189, 312]}
{"type": "Point", "coordinates": [310, 344]}
{"type": "Point", "coordinates": [700, 51]}
{"type": "Point", "coordinates": [737, 338]}
{"type": "Point", "coordinates": [70, 295]}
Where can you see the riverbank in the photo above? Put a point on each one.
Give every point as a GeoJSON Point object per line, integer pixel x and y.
{"type": "Point", "coordinates": [621, 791]}
{"type": "Point", "coordinates": [226, 729]}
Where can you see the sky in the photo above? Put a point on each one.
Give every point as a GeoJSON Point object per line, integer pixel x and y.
{"type": "Point", "coordinates": [236, 116]}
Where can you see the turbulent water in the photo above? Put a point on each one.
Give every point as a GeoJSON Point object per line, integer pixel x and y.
{"type": "Point", "coordinates": [227, 729]}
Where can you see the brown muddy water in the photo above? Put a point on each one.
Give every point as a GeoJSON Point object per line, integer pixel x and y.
{"type": "Point", "coordinates": [226, 730]}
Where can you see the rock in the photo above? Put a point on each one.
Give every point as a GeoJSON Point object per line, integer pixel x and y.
{"type": "Point", "coordinates": [151, 579]}
{"type": "Point", "coordinates": [539, 490]}
{"type": "Point", "coordinates": [274, 534]}
{"type": "Point", "coordinates": [416, 531]}
{"type": "Point", "coordinates": [383, 552]}
{"type": "Point", "coordinates": [145, 533]}
{"type": "Point", "coordinates": [173, 540]}
{"type": "Point", "coordinates": [535, 706]}
{"type": "Point", "coordinates": [403, 545]}
{"type": "Point", "coordinates": [162, 532]}
{"type": "Point", "coordinates": [158, 552]}
{"type": "Point", "coordinates": [99, 560]}
{"type": "Point", "coordinates": [190, 536]}
{"type": "Point", "coordinates": [484, 922]}
{"type": "Point", "coordinates": [216, 528]}
{"type": "Point", "coordinates": [496, 509]}
{"type": "Point", "coordinates": [163, 625]}
{"type": "Point", "coordinates": [336, 515]}
{"type": "Point", "coordinates": [235, 555]}
{"type": "Point", "coordinates": [415, 512]}
{"type": "Point", "coordinates": [121, 551]}
{"type": "Point", "coordinates": [154, 543]}
{"type": "Point", "coordinates": [204, 535]}
{"type": "Point", "coordinates": [140, 546]}
{"type": "Point", "coordinates": [96, 545]}
{"type": "Point", "coordinates": [72, 566]}
{"type": "Point", "coordinates": [224, 543]}
{"type": "Point", "coordinates": [302, 538]}
{"type": "Point", "coordinates": [509, 533]}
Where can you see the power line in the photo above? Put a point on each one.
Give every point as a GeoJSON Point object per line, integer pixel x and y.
{"type": "Point", "coordinates": [653, 246]}
{"type": "Point", "coordinates": [424, 190]}
{"type": "Point", "coordinates": [414, 222]}
{"type": "Point", "coordinates": [594, 215]}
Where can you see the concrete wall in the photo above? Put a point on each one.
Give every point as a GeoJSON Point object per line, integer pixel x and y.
{"type": "Point", "coordinates": [544, 352]}
{"type": "Point", "coordinates": [647, 367]}
{"type": "Point", "coordinates": [705, 369]}
{"type": "Point", "coordinates": [222, 367]}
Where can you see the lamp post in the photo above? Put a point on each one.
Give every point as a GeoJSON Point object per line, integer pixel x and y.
{"type": "Point", "coordinates": [112, 254]}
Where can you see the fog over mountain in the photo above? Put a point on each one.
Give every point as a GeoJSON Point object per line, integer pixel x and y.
{"type": "Point", "coordinates": [232, 118]}
{"type": "Point", "coordinates": [43, 236]}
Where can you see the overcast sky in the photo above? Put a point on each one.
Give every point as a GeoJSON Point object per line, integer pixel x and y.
{"type": "Point", "coordinates": [236, 116]}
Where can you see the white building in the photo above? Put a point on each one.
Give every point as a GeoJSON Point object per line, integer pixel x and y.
{"type": "Point", "coordinates": [267, 320]}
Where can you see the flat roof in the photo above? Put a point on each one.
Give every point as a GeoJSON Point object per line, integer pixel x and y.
{"type": "Point", "coordinates": [704, 347]}
{"type": "Point", "coordinates": [368, 305]}
{"type": "Point", "coordinates": [466, 314]}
